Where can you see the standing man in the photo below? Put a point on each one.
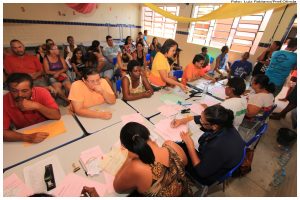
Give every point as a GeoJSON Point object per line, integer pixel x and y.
{"type": "Point", "coordinates": [281, 64]}
{"type": "Point", "coordinates": [25, 105]}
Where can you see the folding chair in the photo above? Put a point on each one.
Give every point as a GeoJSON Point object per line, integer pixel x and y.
{"type": "Point", "coordinates": [178, 73]}
{"type": "Point", "coordinates": [262, 130]}
{"type": "Point", "coordinates": [118, 85]}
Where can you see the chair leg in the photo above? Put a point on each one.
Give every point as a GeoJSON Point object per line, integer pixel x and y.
{"type": "Point", "coordinates": [224, 182]}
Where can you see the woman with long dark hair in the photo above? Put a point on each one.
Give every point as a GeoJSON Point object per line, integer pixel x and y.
{"type": "Point", "coordinates": [150, 169]}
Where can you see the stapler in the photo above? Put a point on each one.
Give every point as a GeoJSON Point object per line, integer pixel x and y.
{"type": "Point", "coordinates": [49, 177]}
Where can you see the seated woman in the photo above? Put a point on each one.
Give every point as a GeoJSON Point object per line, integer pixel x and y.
{"type": "Point", "coordinates": [263, 99]}
{"type": "Point", "coordinates": [160, 71]}
{"type": "Point", "coordinates": [150, 169]}
{"type": "Point", "coordinates": [126, 57]}
{"type": "Point", "coordinates": [220, 146]}
{"type": "Point", "coordinates": [139, 54]}
{"type": "Point", "coordinates": [55, 67]}
{"type": "Point", "coordinates": [78, 63]}
{"type": "Point", "coordinates": [221, 66]}
{"type": "Point", "coordinates": [135, 85]}
{"type": "Point", "coordinates": [90, 91]}
{"type": "Point", "coordinates": [128, 46]}
{"type": "Point", "coordinates": [196, 70]}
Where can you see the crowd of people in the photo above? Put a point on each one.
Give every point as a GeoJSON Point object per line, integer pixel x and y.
{"type": "Point", "coordinates": [83, 77]}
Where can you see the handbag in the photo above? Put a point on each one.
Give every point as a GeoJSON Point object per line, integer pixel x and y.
{"type": "Point", "coordinates": [61, 78]}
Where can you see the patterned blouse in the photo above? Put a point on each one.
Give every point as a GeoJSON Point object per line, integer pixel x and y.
{"type": "Point", "coordinates": [169, 181]}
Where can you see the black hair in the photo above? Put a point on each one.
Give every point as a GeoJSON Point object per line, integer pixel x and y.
{"type": "Point", "coordinates": [126, 40]}
{"type": "Point", "coordinates": [292, 43]}
{"type": "Point", "coordinates": [108, 37]}
{"type": "Point", "coordinates": [153, 40]}
{"type": "Point", "coordinates": [197, 58]}
{"type": "Point", "coordinates": [278, 44]}
{"type": "Point", "coordinates": [87, 71]}
{"type": "Point", "coordinates": [15, 40]}
{"type": "Point", "coordinates": [49, 47]}
{"type": "Point", "coordinates": [47, 40]}
{"type": "Point", "coordinates": [41, 195]}
{"type": "Point", "coordinates": [264, 82]}
{"type": "Point", "coordinates": [19, 78]}
{"type": "Point", "coordinates": [145, 30]}
{"type": "Point", "coordinates": [218, 115]}
{"type": "Point", "coordinates": [74, 58]}
{"type": "Point", "coordinates": [139, 42]}
{"type": "Point", "coordinates": [203, 49]}
{"type": "Point", "coordinates": [70, 36]}
{"type": "Point", "coordinates": [140, 33]}
{"type": "Point", "coordinates": [167, 45]}
{"type": "Point", "coordinates": [134, 137]}
{"type": "Point", "coordinates": [224, 48]}
{"type": "Point", "coordinates": [95, 43]}
{"type": "Point", "coordinates": [237, 84]}
{"type": "Point", "coordinates": [131, 64]}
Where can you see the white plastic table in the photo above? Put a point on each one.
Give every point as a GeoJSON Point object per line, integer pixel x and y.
{"type": "Point", "coordinates": [92, 125]}
{"type": "Point", "coordinates": [69, 154]}
{"type": "Point", "coordinates": [16, 152]}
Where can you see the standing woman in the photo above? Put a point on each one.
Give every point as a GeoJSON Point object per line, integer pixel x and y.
{"type": "Point", "coordinates": [150, 169]}
{"type": "Point", "coordinates": [135, 85]}
{"type": "Point", "coordinates": [139, 54]}
{"type": "Point", "coordinates": [263, 60]}
{"type": "Point", "coordinates": [55, 67]}
{"type": "Point", "coordinates": [160, 71]}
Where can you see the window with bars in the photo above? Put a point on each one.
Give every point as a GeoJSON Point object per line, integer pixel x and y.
{"type": "Point", "coordinates": [159, 26]}
{"type": "Point", "coordinates": [240, 34]}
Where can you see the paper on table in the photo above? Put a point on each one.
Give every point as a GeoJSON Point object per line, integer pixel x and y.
{"type": "Point", "coordinates": [163, 127]}
{"type": "Point", "coordinates": [90, 160]}
{"type": "Point", "coordinates": [109, 182]}
{"type": "Point", "coordinates": [197, 108]}
{"type": "Point", "coordinates": [219, 92]}
{"type": "Point", "coordinates": [114, 160]}
{"type": "Point", "coordinates": [54, 128]}
{"type": "Point", "coordinates": [171, 98]}
{"type": "Point", "coordinates": [13, 186]}
{"type": "Point", "coordinates": [34, 174]}
{"type": "Point", "coordinates": [136, 117]}
{"type": "Point", "coordinates": [169, 110]}
{"type": "Point", "coordinates": [73, 184]}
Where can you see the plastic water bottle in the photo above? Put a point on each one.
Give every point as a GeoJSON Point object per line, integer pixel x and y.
{"type": "Point", "coordinates": [205, 88]}
{"type": "Point", "coordinates": [278, 177]}
{"type": "Point", "coordinates": [284, 158]}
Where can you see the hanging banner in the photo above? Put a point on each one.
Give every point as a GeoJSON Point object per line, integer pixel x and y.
{"type": "Point", "coordinates": [228, 10]}
{"type": "Point", "coordinates": [82, 7]}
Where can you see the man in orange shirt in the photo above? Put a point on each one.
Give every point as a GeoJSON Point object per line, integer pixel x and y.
{"type": "Point", "coordinates": [196, 70]}
{"type": "Point", "coordinates": [91, 91]}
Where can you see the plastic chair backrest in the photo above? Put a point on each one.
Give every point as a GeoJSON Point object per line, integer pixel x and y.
{"type": "Point", "coordinates": [268, 113]}
{"type": "Point", "coordinates": [118, 85]}
{"type": "Point", "coordinates": [115, 61]}
{"type": "Point", "coordinates": [211, 60]}
{"type": "Point", "coordinates": [148, 56]}
{"type": "Point", "coordinates": [178, 73]}
{"type": "Point", "coordinates": [229, 174]}
{"type": "Point", "coordinates": [258, 134]}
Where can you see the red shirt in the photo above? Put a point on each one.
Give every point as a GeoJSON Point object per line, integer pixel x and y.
{"type": "Point", "coordinates": [12, 114]}
{"type": "Point", "coordinates": [22, 64]}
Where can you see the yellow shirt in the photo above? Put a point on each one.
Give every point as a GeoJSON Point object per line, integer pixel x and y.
{"type": "Point", "coordinates": [81, 93]}
{"type": "Point", "coordinates": [160, 62]}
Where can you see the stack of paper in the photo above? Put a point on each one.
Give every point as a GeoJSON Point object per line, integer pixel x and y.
{"type": "Point", "coordinates": [114, 160]}
{"type": "Point", "coordinates": [90, 160]}
{"type": "Point", "coordinates": [219, 92]}
{"type": "Point", "coordinates": [169, 110]}
{"type": "Point", "coordinates": [163, 127]}
{"type": "Point", "coordinates": [73, 184]}
{"type": "Point", "coordinates": [171, 99]}
{"type": "Point", "coordinates": [136, 117]}
{"type": "Point", "coordinates": [13, 186]}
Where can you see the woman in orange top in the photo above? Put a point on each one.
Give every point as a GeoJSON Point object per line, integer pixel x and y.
{"type": "Point", "coordinates": [196, 70]}
{"type": "Point", "coordinates": [90, 91]}
{"type": "Point", "coordinates": [159, 76]}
